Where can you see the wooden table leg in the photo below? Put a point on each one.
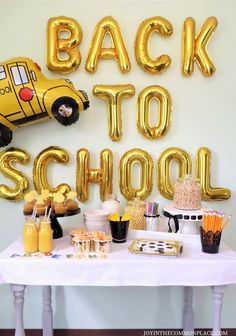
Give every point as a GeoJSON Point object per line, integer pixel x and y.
{"type": "Point", "coordinates": [218, 294]}
{"type": "Point", "coordinates": [188, 323]}
{"type": "Point", "coordinates": [18, 293]}
{"type": "Point", "coordinates": [47, 311]}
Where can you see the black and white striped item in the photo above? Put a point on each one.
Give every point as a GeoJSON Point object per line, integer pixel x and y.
{"type": "Point", "coordinates": [156, 247]}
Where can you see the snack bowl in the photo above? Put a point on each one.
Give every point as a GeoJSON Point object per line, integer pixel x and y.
{"type": "Point", "coordinates": [96, 220]}
{"type": "Point", "coordinates": [96, 214]}
{"type": "Point", "coordinates": [75, 233]}
{"type": "Point", "coordinates": [87, 243]}
{"type": "Point", "coordinates": [82, 244]}
{"type": "Point", "coordinates": [102, 247]}
{"type": "Point", "coordinates": [92, 225]}
{"type": "Point", "coordinates": [101, 243]}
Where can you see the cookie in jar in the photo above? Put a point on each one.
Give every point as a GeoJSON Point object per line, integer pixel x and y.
{"type": "Point", "coordinates": [187, 193]}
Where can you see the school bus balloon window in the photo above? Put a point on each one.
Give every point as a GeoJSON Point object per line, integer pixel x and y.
{"type": "Point", "coordinates": [19, 75]}
{"type": "Point", "coordinates": [2, 73]}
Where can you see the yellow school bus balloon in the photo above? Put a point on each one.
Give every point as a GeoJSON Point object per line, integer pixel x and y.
{"type": "Point", "coordinates": [163, 27]}
{"type": "Point", "coordinates": [27, 97]}
{"type": "Point", "coordinates": [68, 45]}
{"type": "Point", "coordinates": [7, 169]}
{"type": "Point", "coordinates": [40, 176]}
{"type": "Point", "coordinates": [107, 26]}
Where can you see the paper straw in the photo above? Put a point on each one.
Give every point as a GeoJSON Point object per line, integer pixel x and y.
{"type": "Point", "coordinates": [49, 213]}
{"type": "Point", "coordinates": [154, 208]}
{"type": "Point", "coordinates": [33, 214]}
{"type": "Point", "coordinates": [45, 212]}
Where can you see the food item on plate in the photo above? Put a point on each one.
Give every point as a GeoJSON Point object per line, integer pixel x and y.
{"type": "Point", "coordinates": [40, 206]}
{"type": "Point", "coordinates": [59, 206]}
{"type": "Point", "coordinates": [30, 199]}
{"type": "Point", "coordinates": [45, 197]}
{"type": "Point", "coordinates": [70, 203]}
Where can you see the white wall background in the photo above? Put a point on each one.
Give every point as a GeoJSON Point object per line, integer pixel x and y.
{"type": "Point", "coordinates": [203, 115]}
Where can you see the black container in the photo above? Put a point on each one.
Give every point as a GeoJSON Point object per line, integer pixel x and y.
{"type": "Point", "coordinates": [119, 230]}
{"type": "Point", "coordinates": [210, 241]}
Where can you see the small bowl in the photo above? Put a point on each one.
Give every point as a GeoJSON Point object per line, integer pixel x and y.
{"type": "Point", "coordinates": [82, 245]}
{"type": "Point", "coordinates": [91, 225]}
{"type": "Point", "coordinates": [96, 214]}
{"type": "Point", "coordinates": [75, 233]}
{"type": "Point", "coordinates": [102, 247]}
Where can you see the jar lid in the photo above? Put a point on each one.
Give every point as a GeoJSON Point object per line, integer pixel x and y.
{"type": "Point", "coordinates": [188, 178]}
{"type": "Point", "coordinates": [136, 202]}
{"type": "Point", "coordinates": [110, 197]}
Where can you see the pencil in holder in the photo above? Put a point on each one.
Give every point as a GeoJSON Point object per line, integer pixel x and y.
{"type": "Point", "coordinates": [152, 222]}
{"type": "Point", "coordinates": [210, 240]}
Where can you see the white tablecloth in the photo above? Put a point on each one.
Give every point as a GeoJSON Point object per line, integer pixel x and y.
{"type": "Point", "coordinates": [122, 268]}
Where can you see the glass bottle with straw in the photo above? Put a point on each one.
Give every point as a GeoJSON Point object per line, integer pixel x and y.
{"type": "Point", "coordinates": [30, 234]}
{"type": "Point", "coordinates": [45, 233]}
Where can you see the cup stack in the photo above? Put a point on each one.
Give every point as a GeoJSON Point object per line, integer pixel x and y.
{"type": "Point", "coordinates": [96, 220]}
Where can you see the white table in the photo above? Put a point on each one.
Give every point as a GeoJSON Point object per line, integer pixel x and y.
{"type": "Point", "coordinates": [122, 268]}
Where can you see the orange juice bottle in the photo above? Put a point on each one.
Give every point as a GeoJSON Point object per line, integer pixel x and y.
{"type": "Point", "coordinates": [45, 237]}
{"type": "Point", "coordinates": [30, 237]}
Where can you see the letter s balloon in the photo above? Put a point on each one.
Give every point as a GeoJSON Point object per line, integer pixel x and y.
{"type": "Point", "coordinates": [7, 159]}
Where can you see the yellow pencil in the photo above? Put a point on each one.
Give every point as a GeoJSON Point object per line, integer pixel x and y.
{"type": "Point", "coordinates": [226, 221]}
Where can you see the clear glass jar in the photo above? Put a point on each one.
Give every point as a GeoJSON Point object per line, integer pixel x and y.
{"type": "Point", "coordinates": [187, 193]}
{"type": "Point", "coordinates": [136, 209]}
{"type": "Point", "coordinates": [111, 205]}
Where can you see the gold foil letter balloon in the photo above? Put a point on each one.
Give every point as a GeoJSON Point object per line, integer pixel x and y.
{"type": "Point", "coordinates": [85, 175]}
{"type": "Point", "coordinates": [127, 161]}
{"type": "Point", "coordinates": [143, 113]}
{"type": "Point", "coordinates": [163, 169]}
{"type": "Point", "coordinates": [56, 44]}
{"type": "Point", "coordinates": [40, 178]}
{"type": "Point", "coordinates": [203, 172]}
{"type": "Point", "coordinates": [161, 26]}
{"type": "Point", "coordinates": [113, 94]}
{"type": "Point", "coordinates": [7, 159]}
{"type": "Point", "coordinates": [196, 47]}
{"type": "Point", "coordinates": [107, 26]}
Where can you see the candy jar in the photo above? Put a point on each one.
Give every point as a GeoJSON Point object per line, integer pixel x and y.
{"type": "Point", "coordinates": [187, 193]}
{"type": "Point", "coordinates": [136, 210]}
{"type": "Point", "coordinates": [111, 205]}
